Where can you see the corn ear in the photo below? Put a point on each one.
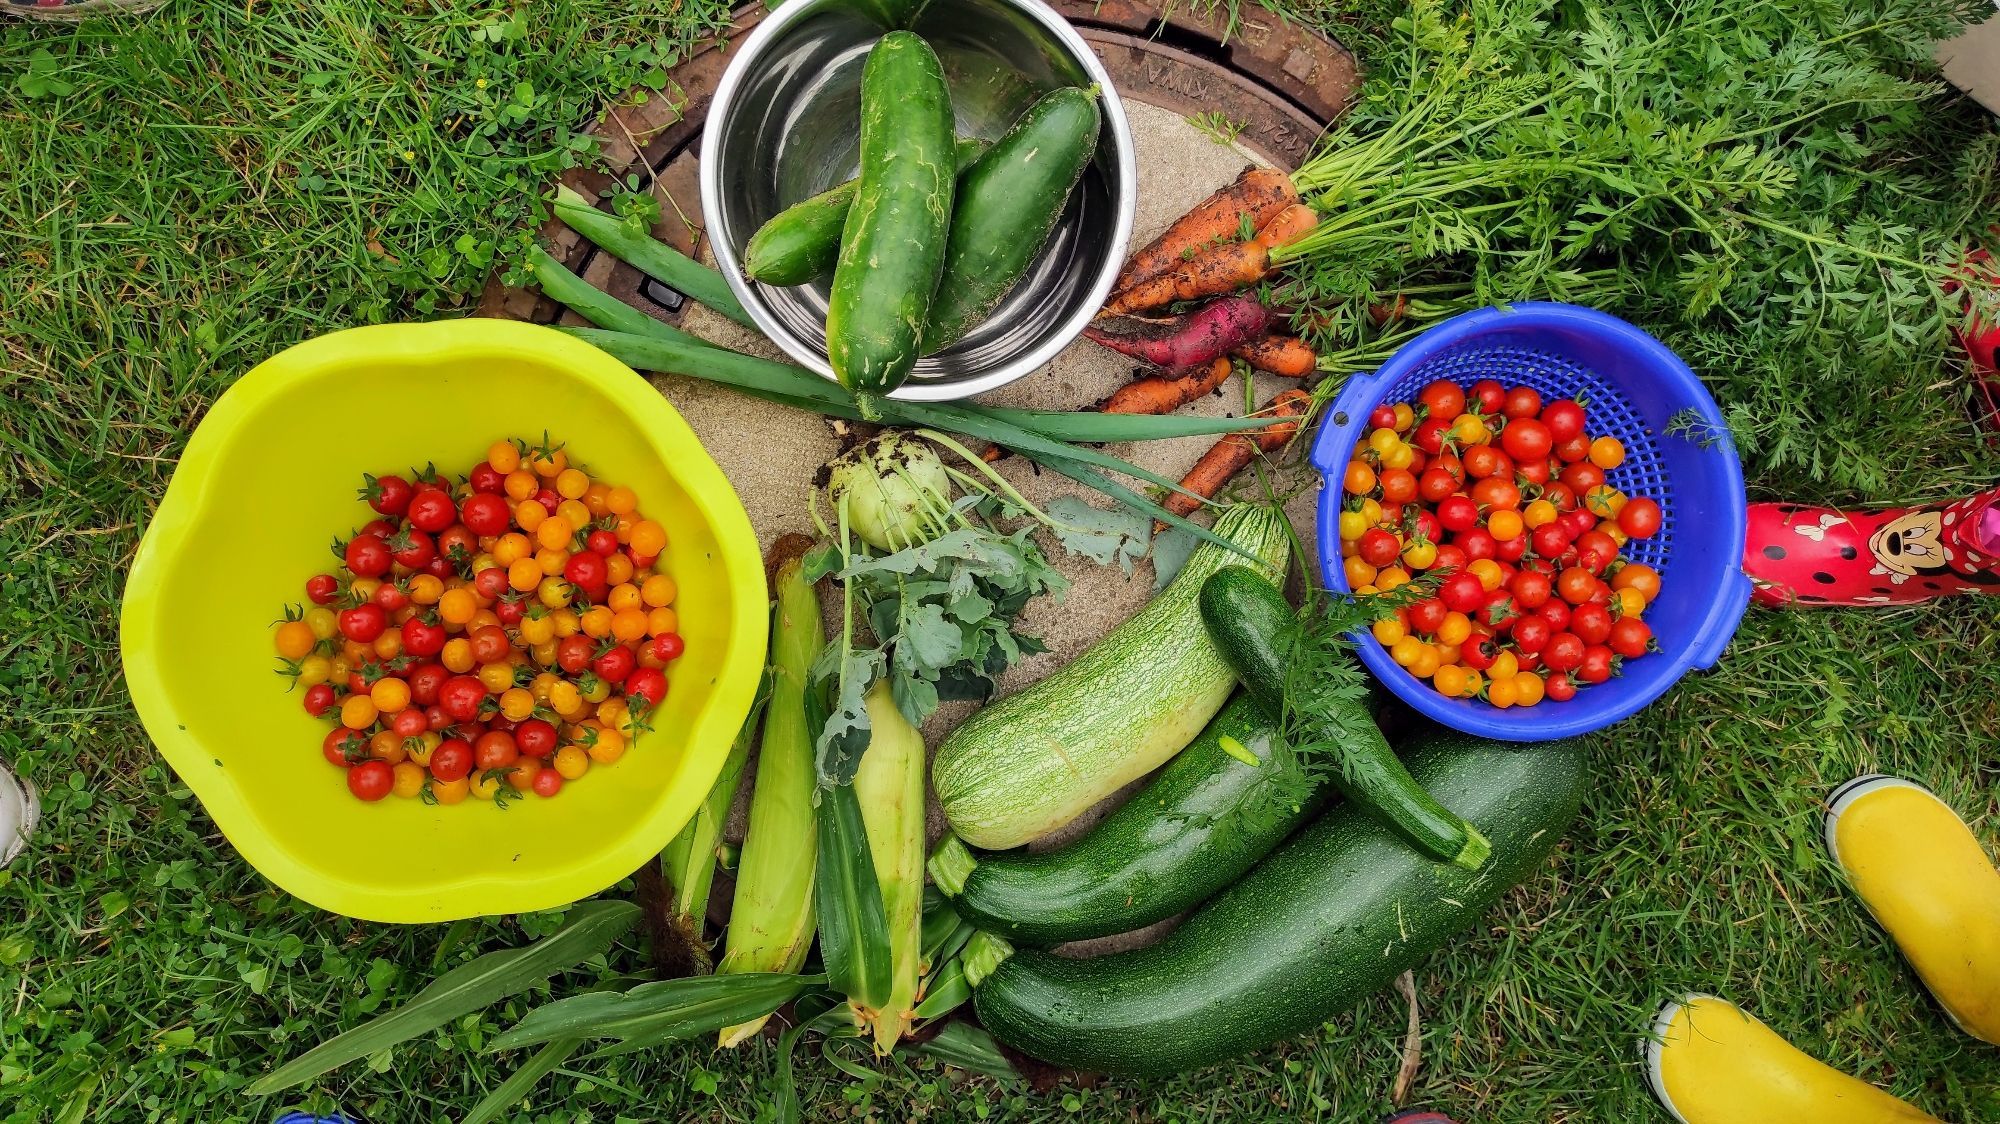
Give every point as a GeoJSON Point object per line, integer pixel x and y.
{"type": "Point", "coordinates": [691, 857]}
{"type": "Point", "coordinates": [771, 919]}
{"type": "Point", "coordinates": [890, 787]}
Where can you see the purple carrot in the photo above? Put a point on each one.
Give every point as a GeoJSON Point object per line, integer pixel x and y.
{"type": "Point", "coordinates": [1202, 336]}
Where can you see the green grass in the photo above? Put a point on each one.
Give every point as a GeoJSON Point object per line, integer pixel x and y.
{"type": "Point", "coordinates": [224, 179]}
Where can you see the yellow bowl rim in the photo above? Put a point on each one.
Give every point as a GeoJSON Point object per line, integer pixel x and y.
{"type": "Point", "coordinates": [670, 438]}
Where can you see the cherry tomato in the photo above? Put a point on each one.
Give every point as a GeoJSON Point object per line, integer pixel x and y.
{"type": "Point", "coordinates": [1478, 543]}
{"type": "Point", "coordinates": [601, 542]}
{"type": "Point", "coordinates": [1378, 547]}
{"type": "Point", "coordinates": [1522, 402]}
{"type": "Point", "coordinates": [409, 723]}
{"type": "Point", "coordinates": [367, 555]}
{"type": "Point", "coordinates": [1435, 484]}
{"type": "Point", "coordinates": [425, 681]}
{"type": "Point", "coordinates": [1532, 634]}
{"type": "Point", "coordinates": [1442, 400]}
{"type": "Point", "coordinates": [486, 514]}
{"type": "Point", "coordinates": [1534, 472]}
{"type": "Point", "coordinates": [547, 782]}
{"type": "Point", "coordinates": [1482, 461]}
{"type": "Point", "coordinates": [1359, 479]}
{"type": "Point", "coordinates": [668, 647]}
{"type": "Point", "coordinates": [1488, 394]}
{"type": "Point", "coordinates": [389, 597]}
{"type": "Point", "coordinates": [1511, 550]}
{"type": "Point", "coordinates": [1640, 577]}
{"type": "Point", "coordinates": [1591, 622]}
{"type": "Point", "coordinates": [322, 588]}
{"type": "Point", "coordinates": [371, 780]}
{"type": "Point", "coordinates": [343, 747]}
{"type": "Point", "coordinates": [1578, 522]}
{"type": "Point", "coordinates": [1559, 688]}
{"type": "Point", "coordinates": [1426, 615]}
{"type": "Point", "coordinates": [452, 760]}
{"type": "Point", "coordinates": [1462, 592]}
{"type": "Point", "coordinates": [1640, 518]}
{"type": "Point", "coordinates": [1430, 435]}
{"type": "Point", "coordinates": [1595, 550]}
{"type": "Point", "coordinates": [1607, 452]}
{"type": "Point", "coordinates": [550, 500]}
{"type": "Point", "coordinates": [1630, 637]}
{"type": "Point", "coordinates": [1526, 439]}
{"type": "Point", "coordinates": [319, 699]}
{"type": "Point", "coordinates": [388, 495]}
{"type": "Point", "coordinates": [363, 623]}
{"type": "Point", "coordinates": [1556, 612]}
{"type": "Point", "coordinates": [1382, 417]}
{"type": "Point", "coordinates": [490, 644]}
{"type": "Point", "coordinates": [535, 738]}
{"type": "Point", "coordinates": [431, 510]}
{"type": "Point", "coordinates": [461, 697]}
{"type": "Point", "coordinates": [1531, 589]}
{"type": "Point", "coordinates": [1458, 513]}
{"type": "Point", "coordinates": [457, 541]}
{"type": "Point", "coordinates": [1497, 493]}
{"type": "Point", "coordinates": [573, 653]}
{"type": "Point", "coordinates": [1564, 418]}
{"type": "Point", "coordinates": [1549, 540]}
{"type": "Point", "coordinates": [1597, 664]}
{"type": "Point", "coordinates": [1582, 477]}
{"type": "Point", "coordinates": [1479, 651]}
{"type": "Point", "coordinates": [615, 664]}
{"type": "Point", "coordinates": [1398, 486]}
{"type": "Point", "coordinates": [1563, 652]}
{"type": "Point", "coordinates": [487, 480]}
{"type": "Point", "coordinates": [648, 684]}
{"type": "Point", "coordinates": [1499, 612]}
{"type": "Point", "coordinates": [495, 749]}
{"type": "Point", "coordinates": [1575, 585]}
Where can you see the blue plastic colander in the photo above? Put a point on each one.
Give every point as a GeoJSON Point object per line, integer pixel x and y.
{"type": "Point", "coordinates": [1633, 389]}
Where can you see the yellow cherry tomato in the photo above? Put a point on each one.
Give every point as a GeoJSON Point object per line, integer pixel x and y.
{"type": "Point", "coordinates": [1529, 687]}
{"type": "Point", "coordinates": [597, 690]}
{"type": "Point", "coordinates": [1470, 429]}
{"type": "Point", "coordinates": [325, 623]}
{"type": "Point", "coordinates": [1405, 650]}
{"type": "Point", "coordinates": [314, 670]}
{"type": "Point", "coordinates": [1405, 417]}
{"type": "Point", "coordinates": [1503, 692]}
{"type": "Point", "coordinates": [596, 621]}
{"type": "Point", "coordinates": [451, 792]}
{"type": "Point", "coordinates": [504, 456]}
{"type": "Point", "coordinates": [425, 589]}
{"type": "Point", "coordinates": [572, 761]}
{"type": "Point", "coordinates": [485, 784]}
{"type": "Point", "coordinates": [294, 640]}
{"type": "Point", "coordinates": [1604, 501]}
{"type": "Point", "coordinates": [554, 533]}
{"type": "Point", "coordinates": [523, 574]}
{"type": "Point", "coordinates": [389, 645]}
{"type": "Point", "coordinates": [409, 780]}
{"type": "Point", "coordinates": [1505, 526]}
{"type": "Point", "coordinates": [357, 712]}
{"type": "Point", "coordinates": [1388, 630]}
{"type": "Point", "coordinates": [421, 747]}
{"type": "Point", "coordinates": [1426, 663]}
{"type": "Point", "coordinates": [1449, 681]}
{"type": "Point", "coordinates": [517, 703]}
{"type": "Point", "coordinates": [577, 514]}
{"type": "Point", "coordinates": [511, 546]}
{"type": "Point", "coordinates": [1474, 683]}
{"type": "Point", "coordinates": [1448, 654]}
{"type": "Point", "coordinates": [608, 745]}
{"type": "Point", "coordinates": [1359, 480]}
{"type": "Point", "coordinates": [364, 589]}
{"type": "Point", "coordinates": [594, 498]}
{"type": "Point", "coordinates": [572, 483]}
{"type": "Point", "coordinates": [618, 569]}
{"type": "Point", "coordinates": [521, 486]}
{"type": "Point", "coordinates": [529, 515]}
{"type": "Point", "coordinates": [390, 695]}
{"type": "Point", "coordinates": [629, 624]}
{"type": "Point", "coordinates": [1455, 628]}
{"type": "Point", "coordinates": [1394, 577]}
{"type": "Point", "coordinates": [1383, 440]}
{"type": "Point", "coordinates": [386, 746]}
{"type": "Point", "coordinates": [623, 597]}
{"type": "Point", "coordinates": [457, 656]}
{"type": "Point", "coordinates": [1539, 513]}
{"type": "Point", "coordinates": [456, 606]}
{"type": "Point", "coordinates": [538, 628]}
{"type": "Point", "coordinates": [1352, 526]}
{"type": "Point", "coordinates": [648, 539]}
{"type": "Point", "coordinates": [1401, 456]}
{"type": "Point", "coordinates": [621, 500]}
{"type": "Point", "coordinates": [551, 562]}
{"type": "Point", "coordinates": [658, 591]}
{"type": "Point", "coordinates": [564, 697]}
{"type": "Point", "coordinates": [1487, 571]}
{"type": "Point", "coordinates": [1630, 602]}
{"type": "Point", "coordinates": [567, 624]}
{"type": "Point", "coordinates": [553, 593]}
{"type": "Point", "coordinates": [1359, 573]}
{"type": "Point", "coordinates": [661, 621]}
{"type": "Point", "coordinates": [1420, 554]}
{"type": "Point", "coordinates": [1607, 452]}
{"type": "Point", "coordinates": [1505, 666]}
{"type": "Point", "coordinates": [544, 653]}
{"type": "Point", "coordinates": [496, 676]}
{"type": "Point", "coordinates": [1372, 512]}
{"type": "Point", "coordinates": [548, 463]}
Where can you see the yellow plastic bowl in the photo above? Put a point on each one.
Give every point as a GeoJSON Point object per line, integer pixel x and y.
{"type": "Point", "coordinates": [269, 479]}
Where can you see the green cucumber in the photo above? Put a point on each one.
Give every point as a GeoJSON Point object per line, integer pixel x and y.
{"type": "Point", "coordinates": [1007, 205]}
{"type": "Point", "coordinates": [1331, 917]}
{"type": "Point", "coordinates": [892, 248]}
{"type": "Point", "coordinates": [1032, 762]}
{"type": "Point", "coordinates": [1254, 627]}
{"type": "Point", "coordinates": [1207, 817]}
{"type": "Point", "coordinates": [802, 241]}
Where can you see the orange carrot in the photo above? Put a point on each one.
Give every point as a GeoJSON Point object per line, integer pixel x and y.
{"type": "Point", "coordinates": [1286, 356]}
{"type": "Point", "coordinates": [1258, 192]}
{"type": "Point", "coordinates": [1220, 270]}
{"type": "Point", "coordinates": [1235, 451]}
{"type": "Point", "coordinates": [1163, 394]}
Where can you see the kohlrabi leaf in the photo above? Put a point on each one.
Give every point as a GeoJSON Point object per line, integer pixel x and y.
{"type": "Point", "coordinates": [1104, 537]}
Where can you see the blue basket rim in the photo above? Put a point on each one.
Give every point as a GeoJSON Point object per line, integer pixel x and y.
{"type": "Point", "coordinates": [1345, 421]}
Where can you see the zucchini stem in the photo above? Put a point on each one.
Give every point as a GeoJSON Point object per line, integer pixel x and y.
{"type": "Point", "coordinates": [951, 862]}
{"type": "Point", "coordinates": [983, 954]}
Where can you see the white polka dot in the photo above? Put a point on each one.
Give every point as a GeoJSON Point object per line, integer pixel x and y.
{"type": "Point", "coordinates": [1950, 517]}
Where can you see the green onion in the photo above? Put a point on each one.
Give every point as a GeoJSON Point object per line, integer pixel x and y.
{"type": "Point", "coordinates": [593, 304]}
{"type": "Point", "coordinates": [650, 256]}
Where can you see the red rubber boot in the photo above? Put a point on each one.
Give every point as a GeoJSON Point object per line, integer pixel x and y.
{"type": "Point", "coordinates": [1812, 556]}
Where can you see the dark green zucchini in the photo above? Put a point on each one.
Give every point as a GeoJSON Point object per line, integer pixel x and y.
{"type": "Point", "coordinates": [1329, 918]}
{"type": "Point", "coordinates": [802, 241]}
{"type": "Point", "coordinates": [1008, 203]}
{"type": "Point", "coordinates": [1254, 627]}
{"type": "Point", "coordinates": [1203, 820]}
{"type": "Point", "coordinates": [892, 249]}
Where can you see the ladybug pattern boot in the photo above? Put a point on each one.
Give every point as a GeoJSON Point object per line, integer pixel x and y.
{"type": "Point", "coordinates": [1817, 556]}
{"type": "Point", "coordinates": [1709, 1062]}
{"type": "Point", "coordinates": [1921, 873]}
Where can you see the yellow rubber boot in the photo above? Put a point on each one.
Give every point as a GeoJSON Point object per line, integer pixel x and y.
{"type": "Point", "coordinates": [1923, 876]}
{"type": "Point", "coordinates": [1711, 1063]}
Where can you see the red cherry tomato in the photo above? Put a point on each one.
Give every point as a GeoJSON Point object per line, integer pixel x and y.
{"type": "Point", "coordinates": [390, 597]}
{"type": "Point", "coordinates": [1511, 550]}
{"type": "Point", "coordinates": [486, 514]}
{"type": "Point", "coordinates": [412, 549]}
{"type": "Point", "coordinates": [441, 568]}
{"type": "Point", "coordinates": [322, 589]}
{"type": "Point", "coordinates": [1526, 439]}
{"type": "Point", "coordinates": [1462, 592]}
{"type": "Point", "coordinates": [602, 542]}
{"type": "Point", "coordinates": [425, 679]}
{"type": "Point", "coordinates": [490, 583]}
{"type": "Point", "coordinates": [1597, 664]}
{"type": "Point", "coordinates": [1640, 518]}
{"type": "Point", "coordinates": [1499, 611]}
{"type": "Point", "coordinates": [535, 738]}
{"type": "Point", "coordinates": [1482, 461]}
{"type": "Point", "coordinates": [422, 638]}
{"type": "Point", "coordinates": [1382, 417]}
{"type": "Point", "coordinates": [371, 780]}
{"type": "Point", "coordinates": [367, 556]}
{"type": "Point", "coordinates": [1564, 418]}
{"type": "Point", "coordinates": [1450, 556]}
{"type": "Point", "coordinates": [1425, 616]}
{"type": "Point", "coordinates": [495, 749]}
{"type": "Point", "coordinates": [573, 653]}
{"type": "Point", "coordinates": [1488, 395]}
{"type": "Point", "coordinates": [615, 663]}
{"type": "Point", "coordinates": [648, 684]}
{"type": "Point", "coordinates": [549, 500]}
{"type": "Point", "coordinates": [490, 644]}
{"type": "Point", "coordinates": [1573, 450]}
{"type": "Point", "coordinates": [1479, 651]}
{"type": "Point", "coordinates": [380, 528]}
{"type": "Point", "coordinates": [1426, 527]}
{"type": "Point", "coordinates": [1532, 634]}
{"type": "Point", "coordinates": [435, 715]}
{"type": "Point", "coordinates": [1378, 547]}
{"type": "Point", "coordinates": [1559, 688]}
{"type": "Point", "coordinates": [1591, 622]}
{"type": "Point", "coordinates": [1556, 612]}
{"type": "Point", "coordinates": [1398, 485]}
{"type": "Point", "coordinates": [1531, 589]}
{"type": "Point", "coordinates": [339, 742]}
{"type": "Point", "coordinates": [1549, 540]}
{"type": "Point", "coordinates": [1442, 400]}
{"type": "Point", "coordinates": [1457, 513]}
{"type": "Point", "coordinates": [1575, 584]}
{"type": "Point", "coordinates": [487, 480]}
{"type": "Point", "coordinates": [548, 782]}
{"type": "Point", "coordinates": [1496, 493]}
{"type": "Point", "coordinates": [388, 495]}
{"type": "Point", "coordinates": [1595, 550]}
{"type": "Point", "coordinates": [1582, 477]}
{"type": "Point", "coordinates": [363, 623]}
{"type": "Point", "coordinates": [1429, 435]}
{"type": "Point", "coordinates": [1522, 402]}
{"type": "Point", "coordinates": [1630, 637]}
{"type": "Point", "coordinates": [1578, 522]}
{"type": "Point", "coordinates": [1563, 652]}
{"type": "Point", "coordinates": [409, 723]}
{"type": "Point", "coordinates": [1534, 472]}
{"type": "Point", "coordinates": [431, 510]}
{"type": "Point", "coordinates": [319, 699]}
{"type": "Point", "coordinates": [1477, 543]}
{"type": "Point", "coordinates": [461, 697]}
{"type": "Point", "coordinates": [668, 647]}
{"type": "Point", "coordinates": [509, 610]}
{"type": "Point", "coordinates": [457, 541]}
{"type": "Point", "coordinates": [451, 760]}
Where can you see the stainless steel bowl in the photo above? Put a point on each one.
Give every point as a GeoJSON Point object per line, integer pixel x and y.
{"type": "Point", "coordinates": [785, 124]}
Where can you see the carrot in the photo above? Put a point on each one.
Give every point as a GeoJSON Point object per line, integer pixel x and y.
{"type": "Point", "coordinates": [1258, 192]}
{"type": "Point", "coordinates": [1223, 269]}
{"type": "Point", "coordinates": [1234, 452]}
{"type": "Point", "coordinates": [1163, 394]}
{"type": "Point", "coordinates": [1287, 356]}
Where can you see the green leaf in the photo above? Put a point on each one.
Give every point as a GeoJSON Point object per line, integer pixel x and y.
{"type": "Point", "coordinates": [968, 1047]}
{"type": "Point", "coordinates": [853, 924]}
{"type": "Point", "coordinates": [1101, 536]}
{"type": "Point", "coordinates": [40, 80]}
{"type": "Point", "coordinates": [522, 1081]}
{"type": "Point", "coordinates": [666, 1010]}
{"type": "Point", "coordinates": [589, 929]}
